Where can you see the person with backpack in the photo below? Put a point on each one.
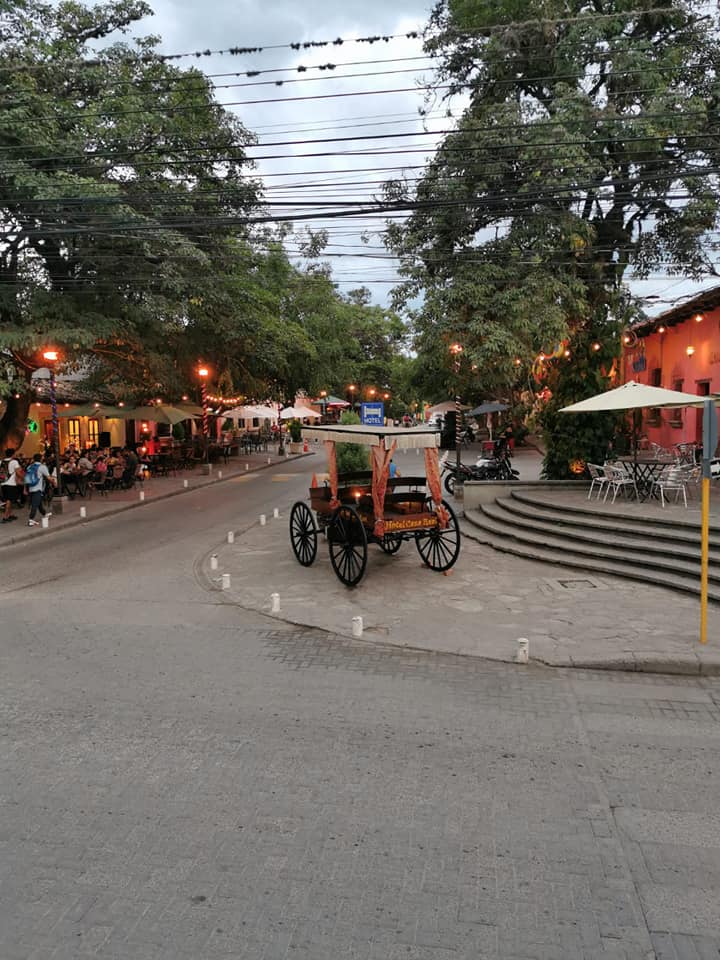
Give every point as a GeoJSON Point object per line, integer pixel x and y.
{"type": "Point", "coordinates": [35, 476]}
{"type": "Point", "coordinates": [12, 480]}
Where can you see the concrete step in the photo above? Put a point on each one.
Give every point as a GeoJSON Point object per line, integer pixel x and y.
{"type": "Point", "coordinates": [680, 576]}
{"type": "Point", "coordinates": [629, 540]}
{"type": "Point", "coordinates": [650, 520]}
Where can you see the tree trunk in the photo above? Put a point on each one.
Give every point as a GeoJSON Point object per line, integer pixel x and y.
{"type": "Point", "coordinates": [13, 422]}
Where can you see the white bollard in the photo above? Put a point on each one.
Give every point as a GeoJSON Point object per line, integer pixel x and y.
{"type": "Point", "coordinates": [45, 522]}
{"type": "Point", "coordinates": [185, 484]}
{"type": "Point", "coordinates": [247, 466]}
{"type": "Point", "coordinates": [276, 513]}
{"type": "Point", "coordinates": [523, 651]}
{"type": "Point", "coordinates": [219, 474]}
{"type": "Point", "coordinates": [226, 581]}
{"type": "Point", "coordinates": [275, 598]}
{"type": "Point", "coordinates": [231, 536]}
{"type": "Point", "coordinates": [357, 626]}
{"type": "Point", "coordinates": [213, 562]}
{"type": "Point", "coordinates": [142, 494]}
{"type": "Point", "coordinates": [417, 451]}
{"type": "Point", "coordinates": [83, 511]}
{"type": "Point", "coordinates": [263, 519]}
{"type": "Point", "coordinates": [269, 459]}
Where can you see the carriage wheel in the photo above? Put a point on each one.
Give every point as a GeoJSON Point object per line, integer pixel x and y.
{"type": "Point", "coordinates": [438, 548]}
{"type": "Point", "coordinates": [390, 543]}
{"type": "Point", "coordinates": [348, 545]}
{"type": "Point", "coordinates": [303, 534]}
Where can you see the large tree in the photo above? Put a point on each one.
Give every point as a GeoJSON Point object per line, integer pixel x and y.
{"type": "Point", "coordinates": [123, 187]}
{"type": "Point", "coordinates": [588, 148]}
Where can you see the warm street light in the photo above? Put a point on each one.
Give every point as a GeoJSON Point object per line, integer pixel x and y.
{"type": "Point", "coordinates": [323, 401]}
{"type": "Point", "coordinates": [456, 350]}
{"type": "Point", "coordinates": [51, 357]}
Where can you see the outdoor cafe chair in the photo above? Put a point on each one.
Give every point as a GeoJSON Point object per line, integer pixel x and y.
{"type": "Point", "coordinates": [674, 478]}
{"type": "Point", "coordinates": [598, 479]}
{"type": "Point", "coordinates": [618, 479]}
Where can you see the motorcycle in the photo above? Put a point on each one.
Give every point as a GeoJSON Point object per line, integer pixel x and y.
{"type": "Point", "coordinates": [496, 467]}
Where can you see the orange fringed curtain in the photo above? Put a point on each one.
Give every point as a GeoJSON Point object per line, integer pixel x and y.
{"type": "Point", "coordinates": [381, 471]}
{"type": "Point", "coordinates": [432, 473]}
{"type": "Point", "coordinates": [332, 470]}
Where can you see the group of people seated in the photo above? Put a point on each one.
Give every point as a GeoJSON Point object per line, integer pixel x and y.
{"type": "Point", "coordinates": [35, 480]}
{"type": "Point", "coordinates": [104, 468]}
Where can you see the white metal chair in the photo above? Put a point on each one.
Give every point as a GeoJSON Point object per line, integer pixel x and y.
{"type": "Point", "coordinates": [618, 479]}
{"type": "Point", "coordinates": [672, 479]}
{"type": "Point", "coordinates": [598, 479]}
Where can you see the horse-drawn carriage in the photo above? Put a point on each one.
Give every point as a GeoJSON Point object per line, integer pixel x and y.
{"type": "Point", "coordinates": [355, 509]}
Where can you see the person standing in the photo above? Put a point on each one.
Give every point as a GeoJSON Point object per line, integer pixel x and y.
{"type": "Point", "coordinates": [36, 476]}
{"type": "Point", "coordinates": [11, 485]}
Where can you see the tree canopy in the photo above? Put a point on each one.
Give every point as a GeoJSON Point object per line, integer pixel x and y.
{"type": "Point", "coordinates": [588, 150]}
{"type": "Point", "coordinates": [126, 197]}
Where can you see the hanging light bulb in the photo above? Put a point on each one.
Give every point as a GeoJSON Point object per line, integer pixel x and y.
{"type": "Point", "coordinates": [596, 346]}
{"type": "Point", "coordinates": [699, 318]}
{"type": "Point", "coordinates": [690, 350]}
{"type": "Point", "coordinates": [661, 329]}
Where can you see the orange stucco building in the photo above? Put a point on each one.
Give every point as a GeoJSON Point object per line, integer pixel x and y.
{"type": "Point", "coordinates": [678, 350]}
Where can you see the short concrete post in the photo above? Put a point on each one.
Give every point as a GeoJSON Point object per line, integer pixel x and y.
{"type": "Point", "coordinates": [142, 494]}
{"type": "Point", "coordinates": [231, 536]}
{"type": "Point", "coordinates": [357, 626]}
{"type": "Point", "coordinates": [185, 484]}
{"type": "Point", "coordinates": [276, 513]}
{"type": "Point", "coordinates": [523, 651]}
{"type": "Point", "coordinates": [275, 599]}
{"type": "Point", "coordinates": [226, 581]}
{"type": "Point", "coordinates": [269, 459]}
{"type": "Point", "coordinates": [247, 467]}
{"type": "Point", "coordinates": [45, 522]}
{"type": "Point", "coordinates": [214, 562]}
{"type": "Point", "coordinates": [219, 474]}
{"type": "Point", "coordinates": [263, 519]}
{"type": "Point", "coordinates": [83, 511]}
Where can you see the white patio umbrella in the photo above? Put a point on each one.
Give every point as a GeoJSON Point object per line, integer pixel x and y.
{"type": "Point", "coordinates": [298, 413]}
{"type": "Point", "coordinates": [633, 396]}
{"type": "Point", "coordinates": [255, 412]}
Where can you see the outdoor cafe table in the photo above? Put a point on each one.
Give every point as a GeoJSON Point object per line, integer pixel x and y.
{"type": "Point", "coordinates": [645, 472]}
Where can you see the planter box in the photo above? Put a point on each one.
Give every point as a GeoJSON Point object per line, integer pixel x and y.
{"type": "Point", "coordinates": [295, 447]}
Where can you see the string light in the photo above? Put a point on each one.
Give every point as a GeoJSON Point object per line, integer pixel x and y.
{"type": "Point", "coordinates": [699, 318]}
{"type": "Point", "coordinates": [596, 346]}
{"type": "Point", "coordinates": [690, 351]}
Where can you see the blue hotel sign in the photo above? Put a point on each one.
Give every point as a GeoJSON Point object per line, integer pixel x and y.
{"type": "Point", "coordinates": [372, 414]}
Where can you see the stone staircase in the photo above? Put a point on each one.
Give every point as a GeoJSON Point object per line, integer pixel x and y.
{"type": "Point", "coordinates": [586, 536]}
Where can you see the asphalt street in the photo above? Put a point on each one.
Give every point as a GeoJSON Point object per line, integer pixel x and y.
{"type": "Point", "coordinates": [181, 779]}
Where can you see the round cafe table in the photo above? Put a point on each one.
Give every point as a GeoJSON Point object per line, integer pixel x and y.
{"type": "Point", "coordinates": [645, 473]}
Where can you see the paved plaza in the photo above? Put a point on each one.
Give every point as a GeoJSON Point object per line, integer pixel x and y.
{"type": "Point", "coordinates": [185, 779]}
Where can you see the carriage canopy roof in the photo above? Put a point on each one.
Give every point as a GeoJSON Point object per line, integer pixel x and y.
{"type": "Point", "coordinates": [405, 438]}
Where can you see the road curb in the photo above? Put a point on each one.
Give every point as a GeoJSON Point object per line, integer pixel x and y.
{"type": "Point", "coordinates": [78, 521]}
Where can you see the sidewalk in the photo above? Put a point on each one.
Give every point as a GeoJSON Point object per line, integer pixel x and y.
{"type": "Point", "coordinates": [486, 603]}
{"type": "Point", "coordinates": [156, 488]}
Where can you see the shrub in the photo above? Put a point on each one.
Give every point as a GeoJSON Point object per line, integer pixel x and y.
{"type": "Point", "coordinates": [178, 431]}
{"type": "Point", "coordinates": [295, 428]}
{"type": "Point", "coordinates": [351, 457]}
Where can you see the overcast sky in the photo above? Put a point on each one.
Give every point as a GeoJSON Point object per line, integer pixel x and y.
{"type": "Point", "coordinates": [188, 25]}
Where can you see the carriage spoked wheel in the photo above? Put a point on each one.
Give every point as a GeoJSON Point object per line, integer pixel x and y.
{"type": "Point", "coordinates": [438, 548]}
{"type": "Point", "coordinates": [348, 545]}
{"type": "Point", "coordinates": [390, 543]}
{"type": "Point", "coordinates": [303, 534]}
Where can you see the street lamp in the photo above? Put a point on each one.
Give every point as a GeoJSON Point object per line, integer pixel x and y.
{"type": "Point", "coordinates": [323, 401]}
{"type": "Point", "coordinates": [204, 373]}
{"type": "Point", "coordinates": [351, 390]}
{"type": "Point", "coordinates": [51, 357]}
{"type": "Point", "coordinates": [456, 350]}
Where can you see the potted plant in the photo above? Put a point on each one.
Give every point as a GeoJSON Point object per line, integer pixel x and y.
{"type": "Point", "coordinates": [295, 429]}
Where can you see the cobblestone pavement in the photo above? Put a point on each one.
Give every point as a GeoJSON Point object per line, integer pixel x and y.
{"type": "Point", "coordinates": [182, 780]}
